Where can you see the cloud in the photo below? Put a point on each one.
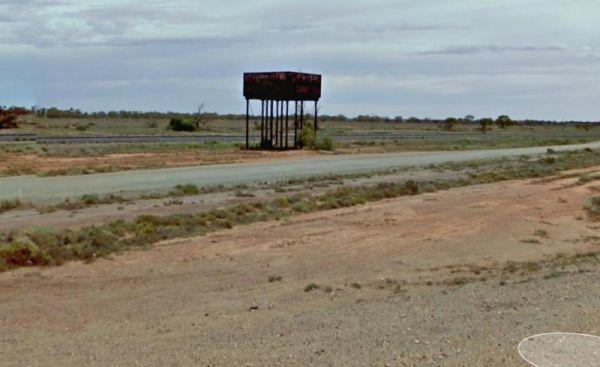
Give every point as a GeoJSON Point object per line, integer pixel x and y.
{"type": "Point", "coordinates": [382, 56]}
{"type": "Point", "coordinates": [472, 50]}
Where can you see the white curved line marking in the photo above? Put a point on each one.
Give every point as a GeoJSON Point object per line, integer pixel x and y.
{"type": "Point", "coordinates": [544, 334]}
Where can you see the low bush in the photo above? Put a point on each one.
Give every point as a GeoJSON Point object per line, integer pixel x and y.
{"type": "Point", "coordinates": [185, 190]}
{"type": "Point", "coordinates": [275, 278]}
{"type": "Point", "coordinates": [311, 287]}
{"type": "Point", "coordinates": [82, 127]}
{"type": "Point", "coordinates": [307, 137]}
{"type": "Point", "coordinates": [182, 124]}
{"type": "Point", "coordinates": [326, 143]}
{"type": "Point", "coordinates": [22, 252]}
{"type": "Point", "coordinates": [90, 199]}
{"type": "Point", "coordinates": [10, 204]}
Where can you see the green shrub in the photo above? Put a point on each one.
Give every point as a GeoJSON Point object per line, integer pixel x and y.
{"type": "Point", "coordinates": [6, 205]}
{"type": "Point", "coordinates": [307, 137]}
{"type": "Point", "coordinates": [412, 187]}
{"type": "Point", "coordinates": [311, 287]}
{"type": "Point", "coordinates": [282, 202]}
{"type": "Point", "coordinates": [90, 199]}
{"type": "Point", "coordinates": [185, 190]}
{"type": "Point", "coordinates": [548, 160]}
{"type": "Point", "coordinates": [485, 124]}
{"type": "Point", "coordinates": [82, 127]}
{"type": "Point", "coordinates": [96, 242]}
{"type": "Point", "coordinates": [302, 207]}
{"type": "Point", "coordinates": [182, 124]}
{"type": "Point", "coordinates": [326, 143]}
{"type": "Point", "coordinates": [503, 121]}
{"type": "Point", "coordinates": [450, 123]}
{"type": "Point", "coordinates": [22, 252]}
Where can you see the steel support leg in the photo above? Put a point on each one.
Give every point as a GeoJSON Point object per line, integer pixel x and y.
{"type": "Point", "coordinates": [301, 115]}
{"type": "Point", "coordinates": [271, 126]}
{"type": "Point", "coordinates": [296, 125]}
{"type": "Point", "coordinates": [316, 119]}
{"type": "Point", "coordinates": [262, 123]}
{"type": "Point", "coordinates": [287, 121]}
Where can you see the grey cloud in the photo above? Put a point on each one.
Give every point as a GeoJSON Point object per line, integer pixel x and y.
{"type": "Point", "coordinates": [203, 41]}
{"type": "Point", "coordinates": [384, 56]}
{"type": "Point", "coordinates": [6, 18]}
{"type": "Point", "coordinates": [25, 3]}
{"type": "Point", "coordinates": [471, 50]}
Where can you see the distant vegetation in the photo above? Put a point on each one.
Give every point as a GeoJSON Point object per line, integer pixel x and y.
{"type": "Point", "coordinates": [8, 117]}
{"type": "Point", "coordinates": [502, 121]}
{"type": "Point", "coordinates": [450, 123]}
{"type": "Point", "coordinates": [485, 124]}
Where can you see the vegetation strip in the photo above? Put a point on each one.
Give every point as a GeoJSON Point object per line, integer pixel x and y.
{"type": "Point", "coordinates": [44, 247]}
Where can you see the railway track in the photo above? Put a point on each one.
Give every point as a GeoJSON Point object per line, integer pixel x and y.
{"type": "Point", "coordinates": [224, 138]}
{"type": "Point", "coordinates": [109, 139]}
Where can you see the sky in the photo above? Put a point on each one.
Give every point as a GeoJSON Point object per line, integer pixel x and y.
{"type": "Point", "coordinates": [426, 58]}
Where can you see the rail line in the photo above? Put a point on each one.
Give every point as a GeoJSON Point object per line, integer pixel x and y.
{"type": "Point", "coordinates": [108, 139]}
{"type": "Point", "coordinates": [231, 138]}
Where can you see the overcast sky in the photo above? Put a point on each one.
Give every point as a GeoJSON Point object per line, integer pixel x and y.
{"type": "Point", "coordinates": [427, 58]}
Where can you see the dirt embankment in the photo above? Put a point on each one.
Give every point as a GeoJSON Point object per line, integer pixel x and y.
{"type": "Point", "coordinates": [413, 281]}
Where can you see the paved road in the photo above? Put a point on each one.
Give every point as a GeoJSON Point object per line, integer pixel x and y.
{"type": "Point", "coordinates": [58, 188]}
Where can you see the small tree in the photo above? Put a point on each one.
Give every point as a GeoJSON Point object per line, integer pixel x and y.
{"type": "Point", "coordinates": [202, 122]}
{"type": "Point", "coordinates": [53, 113]}
{"type": "Point", "coordinates": [486, 124]}
{"type": "Point", "coordinates": [450, 123]}
{"type": "Point", "coordinates": [503, 121]}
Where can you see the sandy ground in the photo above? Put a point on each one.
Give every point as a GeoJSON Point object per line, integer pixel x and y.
{"type": "Point", "coordinates": [390, 289]}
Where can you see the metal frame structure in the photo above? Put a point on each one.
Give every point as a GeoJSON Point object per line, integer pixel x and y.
{"type": "Point", "coordinates": [275, 91]}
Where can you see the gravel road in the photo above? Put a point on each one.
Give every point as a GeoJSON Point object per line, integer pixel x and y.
{"type": "Point", "coordinates": [58, 188]}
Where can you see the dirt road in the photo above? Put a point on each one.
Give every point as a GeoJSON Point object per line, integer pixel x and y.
{"type": "Point", "coordinates": [58, 188]}
{"type": "Point", "coordinates": [413, 281]}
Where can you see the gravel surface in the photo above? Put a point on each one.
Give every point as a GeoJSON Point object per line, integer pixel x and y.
{"type": "Point", "coordinates": [561, 349]}
{"type": "Point", "coordinates": [412, 281]}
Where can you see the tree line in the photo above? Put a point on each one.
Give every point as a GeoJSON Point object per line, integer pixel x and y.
{"type": "Point", "coordinates": [502, 121]}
